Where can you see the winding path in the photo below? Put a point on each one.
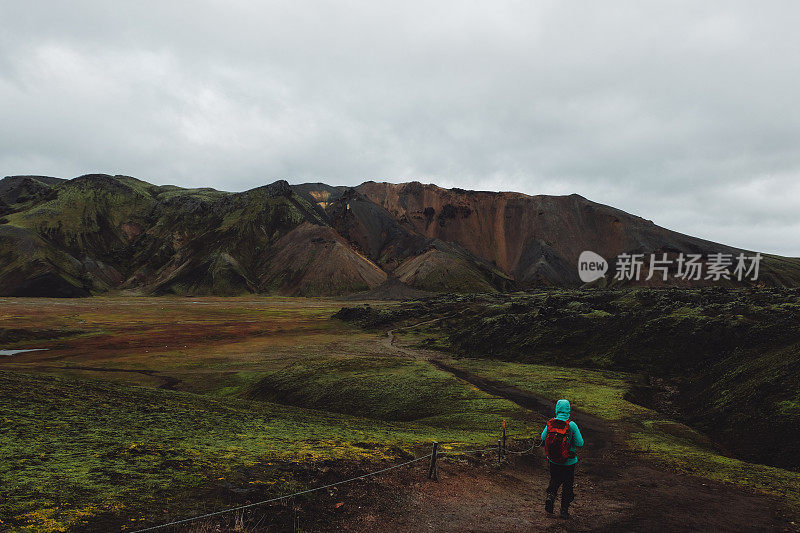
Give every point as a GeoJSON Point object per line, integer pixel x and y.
{"type": "Point", "coordinates": [618, 489]}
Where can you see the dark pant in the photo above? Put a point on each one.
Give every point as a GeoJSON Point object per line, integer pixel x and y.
{"type": "Point", "coordinates": [561, 476]}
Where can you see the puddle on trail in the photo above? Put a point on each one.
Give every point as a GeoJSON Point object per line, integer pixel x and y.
{"type": "Point", "coordinates": [15, 352]}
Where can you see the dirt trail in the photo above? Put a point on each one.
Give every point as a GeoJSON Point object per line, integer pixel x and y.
{"type": "Point", "coordinates": [617, 489]}
{"type": "Point", "coordinates": [596, 430]}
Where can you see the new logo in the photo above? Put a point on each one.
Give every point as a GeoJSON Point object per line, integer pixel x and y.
{"type": "Point", "coordinates": [716, 267]}
{"type": "Point", "coordinates": [591, 266]}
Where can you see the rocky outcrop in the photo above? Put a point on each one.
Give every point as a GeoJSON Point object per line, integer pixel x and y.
{"type": "Point", "coordinates": [314, 260]}
{"type": "Point", "coordinates": [535, 240]}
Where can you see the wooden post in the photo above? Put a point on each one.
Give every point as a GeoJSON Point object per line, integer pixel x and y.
{"type": "Point", "coordinates": [433, 471]}
{"type": "Point", "coordinates": [294, 516]}
{"type": "Point", "coordinates": [499, 453]}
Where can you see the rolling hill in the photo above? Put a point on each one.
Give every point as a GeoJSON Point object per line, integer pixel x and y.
{"type": "Point", "coordinates": [99, 233]}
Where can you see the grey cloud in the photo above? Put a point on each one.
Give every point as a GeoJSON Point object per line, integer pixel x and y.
{"type": "Point", "coordinates": [681, 112]}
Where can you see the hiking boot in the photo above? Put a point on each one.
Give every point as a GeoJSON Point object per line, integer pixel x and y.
{"type": "Point", "coordinates": [564, 512]}
{"type": "Point", "coordinates": [548, 503]}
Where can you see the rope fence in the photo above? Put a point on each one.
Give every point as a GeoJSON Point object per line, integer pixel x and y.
{"type": "Point", "coordinates": [500, 448]}
{"type": "Point", "coordinates": [279, 498]}
{"type": "Point", "coordinates": [523, 452]}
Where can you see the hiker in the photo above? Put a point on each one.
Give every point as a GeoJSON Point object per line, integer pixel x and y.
{"type": "Point", "coordinates": [560, 438]}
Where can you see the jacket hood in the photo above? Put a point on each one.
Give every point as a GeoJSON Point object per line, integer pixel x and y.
{"type": "Point", "coordinates": [562, 409]}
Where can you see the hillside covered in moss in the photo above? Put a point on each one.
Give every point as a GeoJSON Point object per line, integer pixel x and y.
{"type": "Point", "coordinates": [725, 361]}
{"type": "Point", "coordinates": [99, 233]}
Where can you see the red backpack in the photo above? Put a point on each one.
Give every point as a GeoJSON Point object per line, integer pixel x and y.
{"type": "Point", "coordinates": [557, 441]}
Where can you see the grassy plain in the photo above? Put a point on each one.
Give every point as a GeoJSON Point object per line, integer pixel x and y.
{"type": "Point", "coordinates": [144, 409]}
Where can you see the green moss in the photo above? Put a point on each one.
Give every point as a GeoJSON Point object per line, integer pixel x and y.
{"type": "Point", "coordinates": [597, 314]}
{"type": "Point", "coordinates": [169, 192]}
{"type": "Point", "coordinates": [674, 444]}
{"type": "Point", "coordinates": [392, 389]}
{"type": "Point", "coordinates": [601, 393]}
{"type": "Point", "coordinates": [454, 276]}
{"type": "Point", "coordinates": [71, 449]}
{"type": "Point", "coordinates": [788, 408]}
{"type": "Point", "coordinates": [733, 354]}
{"type": "Point", "coordinates": [82, 209]}
{"type": "Point", "coordinates": [685, 454]}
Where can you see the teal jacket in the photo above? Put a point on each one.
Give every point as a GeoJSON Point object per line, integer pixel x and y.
{"type": "Point", "coordinates": [562, 413]}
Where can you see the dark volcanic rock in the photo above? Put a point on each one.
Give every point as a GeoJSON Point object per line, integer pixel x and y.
{"type": "Point", "coordinates": [19, 189]}
{"type": "Point", "coordinates": [49, 285]}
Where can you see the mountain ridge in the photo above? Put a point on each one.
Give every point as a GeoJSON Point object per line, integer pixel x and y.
{"type": "Point", "coordinates": [98, 233]}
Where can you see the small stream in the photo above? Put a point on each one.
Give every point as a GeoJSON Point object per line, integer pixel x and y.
{"type": "Point", "coordinates": [15, 352]}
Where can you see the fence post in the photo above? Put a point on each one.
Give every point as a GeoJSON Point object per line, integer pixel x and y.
{"type": "Point", "coordinates": [499, 453]}
{"type": "Point", "coordinates": [433, 471]}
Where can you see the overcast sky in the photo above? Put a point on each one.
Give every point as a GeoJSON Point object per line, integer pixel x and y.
{"type": "Point", "coordinates": [685, 113]}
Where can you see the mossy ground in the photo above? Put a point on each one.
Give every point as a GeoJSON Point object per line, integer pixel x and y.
{"type": "Point", "coordinates": [732, 355]}
{"type": "Point", "coordinates": [260, 390]}
{"type": "Point", "coordinates": [265, 388]}
{"type": "Point", "coordinates": [602, 393]}
{"type": "Point", "coordinates": [73, 448]}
